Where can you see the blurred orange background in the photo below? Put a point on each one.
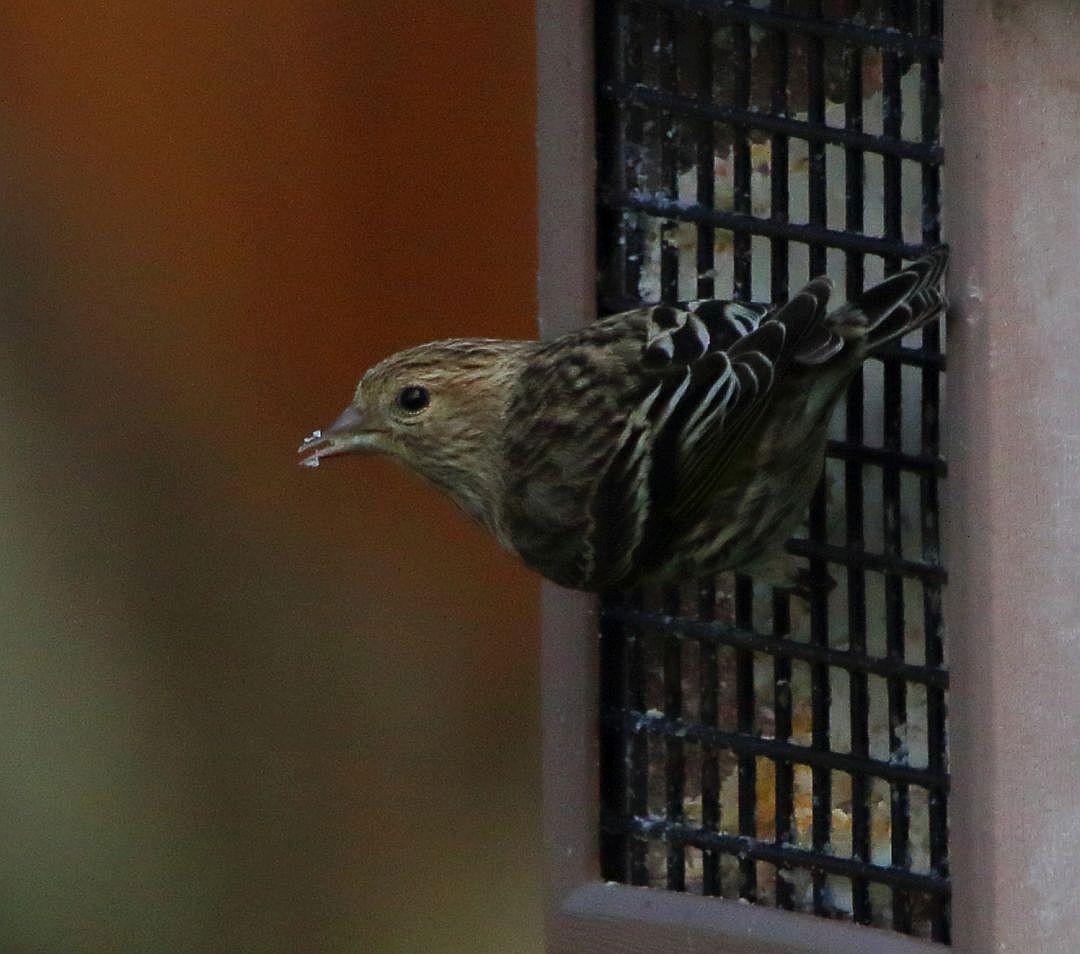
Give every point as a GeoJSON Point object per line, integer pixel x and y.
{"type": "Point", "coordinates": [247, 706]}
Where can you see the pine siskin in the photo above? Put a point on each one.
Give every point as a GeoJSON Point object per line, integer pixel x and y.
{"type": "Point", "coordinates": [659, 444]}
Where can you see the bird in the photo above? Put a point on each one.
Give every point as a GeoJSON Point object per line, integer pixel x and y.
{"type": "Point", "coordinates": [665, 443]}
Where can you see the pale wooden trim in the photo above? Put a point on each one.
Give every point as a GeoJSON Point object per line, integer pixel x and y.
{"type": "Point", "coordinates": [623, 920]}
{"type": "Point", "coordinates": [1012, 128]}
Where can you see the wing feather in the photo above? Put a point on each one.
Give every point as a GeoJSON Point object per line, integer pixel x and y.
{"type": "Point", "coordinates": [718, 388]}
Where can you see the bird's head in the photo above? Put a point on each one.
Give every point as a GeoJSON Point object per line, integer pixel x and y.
{"type": "Point", "coordinates": [438, 408]}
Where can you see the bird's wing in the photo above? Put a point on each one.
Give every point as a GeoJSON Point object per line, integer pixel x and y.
{"type": "Point", "coordinates": [621, 435]}
{"type": "Point", "coordinates": [897, 306]}
{"type": "Point", "coordinates": [626, 426]}
{"type": "Point", "coordinates": [715, 364]}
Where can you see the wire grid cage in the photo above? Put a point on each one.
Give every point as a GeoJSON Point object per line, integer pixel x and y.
{"type": "Point", "coordinates": [755, 745]}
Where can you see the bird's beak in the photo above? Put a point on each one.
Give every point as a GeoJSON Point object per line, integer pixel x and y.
{"type": "Point", "coordinates": [347, 435]}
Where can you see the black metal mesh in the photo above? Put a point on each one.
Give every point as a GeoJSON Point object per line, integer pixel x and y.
{"type": "Point", "coordinates": [752, 745]}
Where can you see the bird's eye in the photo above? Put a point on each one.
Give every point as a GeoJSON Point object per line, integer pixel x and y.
{"type": "Point", "coordinates": [413, 398]}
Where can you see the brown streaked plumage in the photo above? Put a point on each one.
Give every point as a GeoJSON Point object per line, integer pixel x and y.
{"type": "Point", "coordinates": [662, 443]}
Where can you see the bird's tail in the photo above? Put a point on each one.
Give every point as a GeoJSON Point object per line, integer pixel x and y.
{"type": "Point", "coordinates": [901, 304]}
